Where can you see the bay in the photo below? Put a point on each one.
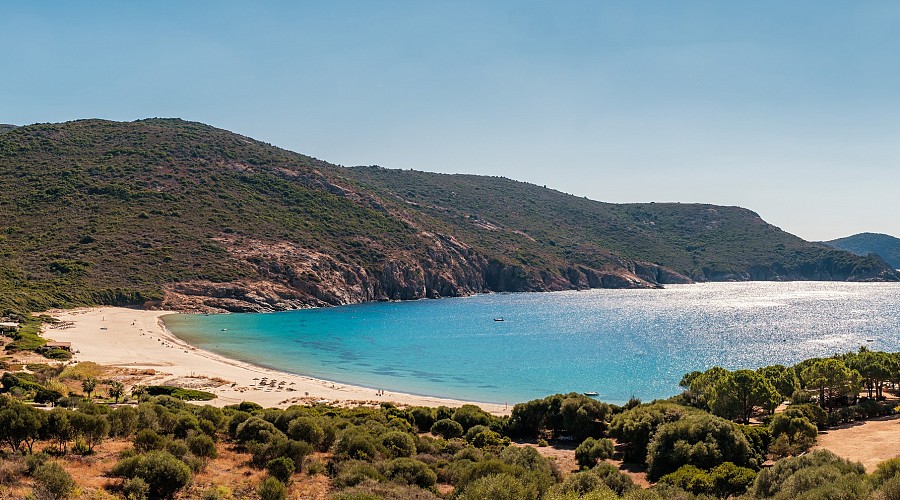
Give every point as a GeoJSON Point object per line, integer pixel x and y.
{"type": "Point", "coordinates": [619, 343]}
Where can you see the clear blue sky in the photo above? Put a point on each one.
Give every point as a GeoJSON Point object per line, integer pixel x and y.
{"type": "Point", "coordinates": [791, 109]}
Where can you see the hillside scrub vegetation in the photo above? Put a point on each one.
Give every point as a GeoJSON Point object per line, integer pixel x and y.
{"type": "Point", "coordinates": [182, 215]}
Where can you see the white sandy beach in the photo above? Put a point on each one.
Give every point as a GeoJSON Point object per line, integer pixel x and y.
{"type": "Point", "coordinates": [137, 339]}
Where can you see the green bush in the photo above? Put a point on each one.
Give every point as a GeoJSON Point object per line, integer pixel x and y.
{"type": "Point", "coordinates": [136, 489]}
{"type": "Point", "coordinates": [53, 482]}
{"type": "Point", "coordinates": [148, 440]}
{"type": "Point", "coordinates": [886, 471]}
{"type": "Point", "coordinates": [488, 438]}
{"type": "Point", "coordinates": [580, 484]}
{"type": "Point", "coordinates": [792, 432]}
{"type": "Point", "coordinates": [256, 429]}
{"type": "Point", "coordinates": [690, 478]}
{"type": "Point", "coordinates": [469, 416]}
{"type": "Point", "coordinates": [163, 473]}
{"type": "Point", "coordinates": [271, 489]}
{"type": "Point", "coordinates": [811, 470]}
{"type": "Point", "coordinates": [591, 451]}
{"type": "Point", "coordinates": [281, 468]}
{"type": "Point", "coordinates": [202, 445]}
{"type": "Point", "coordinates": [35, 460]}
{"type": "Point", "coordinates": [572, 414]}
{"type": "Point", "coordinates": [495, 487]}
{"type": "Point", "coordinates": [399, 444]}
{"type": "Point", "coordinates": [422, 417]}
{"type": "Point", "coordinates": [889, 490]}
{"type": "Point", "coordinates": [613, 478]}
{"type": "Point", "coordinates": [356, 444]}
{"type": "Point", "coordinates": [634, 428]}
{"type": "Point", "coordinates": [307, 429]}
{"type": "Point", "coordinates": [355, 472]}
{"type": "Point", "coordinates": [409, 471]}
{"type": "Point", "coordinates": [701, 440]}
{"type": "Point", "coordinates": [447, 429]}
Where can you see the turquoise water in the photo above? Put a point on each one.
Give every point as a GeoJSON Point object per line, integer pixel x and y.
{"type": "Point", "coordinates": [619, 343]}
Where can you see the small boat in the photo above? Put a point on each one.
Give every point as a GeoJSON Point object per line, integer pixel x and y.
{"type": "Point", "coordinates": [224, 329]}
{"type": "Point", "coordinates": [591, 394]}
{"type": "Point", "coordinates": [498, 319]}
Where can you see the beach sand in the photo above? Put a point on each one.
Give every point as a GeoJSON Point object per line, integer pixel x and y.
{"type": "Point", "coordinates": [137, 339]}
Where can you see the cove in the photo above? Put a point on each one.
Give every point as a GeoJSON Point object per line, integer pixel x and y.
{"type": "Point", "coordinates": [618, 343]}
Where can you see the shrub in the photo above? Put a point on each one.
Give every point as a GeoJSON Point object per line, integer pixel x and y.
{"type": "Point", "coordinates": [729, 480]}
{"type": "Point", "coordinates": [219, 492]}
{"type": "Point", "coordinates": [271, 489]}
{"type": "Point", "coordinates": [469, 416]}
{"type": "Point", "coordinates": [202, 445]}
{"type": "Point", "coordinates": [494, 487]}
{"type": "Point", "coordinates": [570, 414]}
{"type": "Point", "coordinates": [236, 420]}
{"type": "Point", "coordinates": [281, 469]}
{"type": "Point", "coordinates": [889, 490]}
{"type": "Point", "coordinates": [702, 440]}
{"type": "Point", "coordinates": [487, 438]}
{"type": "Point", "coordinates": [591, 451]}
{"type": "Point", "coordinates": [792, 432]}
{"type": "Point", "coordinates": [256, 429]}
{"type": "Point", "coordinates": [472, 431]}
{"type": "Point", "coordinates": [185, 422]}
{"type": "Point", "coordinates": [136, 489]}
{"type": "Point", "coordinates": [759, 437]}
{"type": "Point", "coordinates": [163, 473]}
{"type": "Point", "coordinates": [356, 444]}
{"type": "Point", "coordinates": [422, 417]}
{"type": "Point", "coordinates": [886, 471]}
{"type": "Point", "coordinates": [399, 444]}
{"type": "Point", "coordinates": [611, 476]}
{"type": "Point", "coordinates": [123, 422]}
{"type": "Point", "coordinates": [215, 415]}
{"type": "Point", "coordinates": [409, 471]}
{"type": "Point", "coordinates": [447, 429]}
{"type": "Point", "coordinates": [147, 440]}
{"type": "Point", "coordinates": [307, 429]}
{"type": "Point", "coordinates": [52, 482]}
{"type": "Point", "coordinates": [354, 472]}
{"type": "Point", "coordinates": [34, 461]}
{"type": "Point", "coordinates": [690, 478]}
{"type": "Point", "coordinates": [581, 483]}
{"type": "Point", "coordinates": [635, 427]}
{"type": "Point", "coordinates": [814, 413]}
{"type": "Point", "coordinates": [779, 479]}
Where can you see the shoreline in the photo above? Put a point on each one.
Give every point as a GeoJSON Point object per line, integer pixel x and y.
{"type": "Point", "coordinates": [139, 340]}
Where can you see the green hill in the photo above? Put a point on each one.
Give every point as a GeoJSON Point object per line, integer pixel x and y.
{"type": "Point", "coordinates": [883, 245]}
{"type": "Point", "coordinates": [189, 216]}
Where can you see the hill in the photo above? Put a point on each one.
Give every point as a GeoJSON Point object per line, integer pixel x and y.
{"type": "Point", "coordinates": [883, 245]}
{"type": "Point", "coordinates": [184, 215]}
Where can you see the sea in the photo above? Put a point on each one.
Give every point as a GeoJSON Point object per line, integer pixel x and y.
{"type": "Point", "coordinates": [617, 343]}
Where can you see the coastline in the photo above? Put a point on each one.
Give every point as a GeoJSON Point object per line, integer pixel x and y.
{"type": "Point", "coordinates": [138, 340]}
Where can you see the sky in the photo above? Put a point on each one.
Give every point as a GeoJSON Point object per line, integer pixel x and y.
{"type": "Point", "coordinates": [789, 108]}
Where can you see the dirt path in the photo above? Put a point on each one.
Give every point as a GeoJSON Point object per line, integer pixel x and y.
{"type": "Point", "coordinates": [869, 442]}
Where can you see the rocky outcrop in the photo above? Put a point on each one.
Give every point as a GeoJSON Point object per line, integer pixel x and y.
{"type": "Point", "coordinates": [292, 277]}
